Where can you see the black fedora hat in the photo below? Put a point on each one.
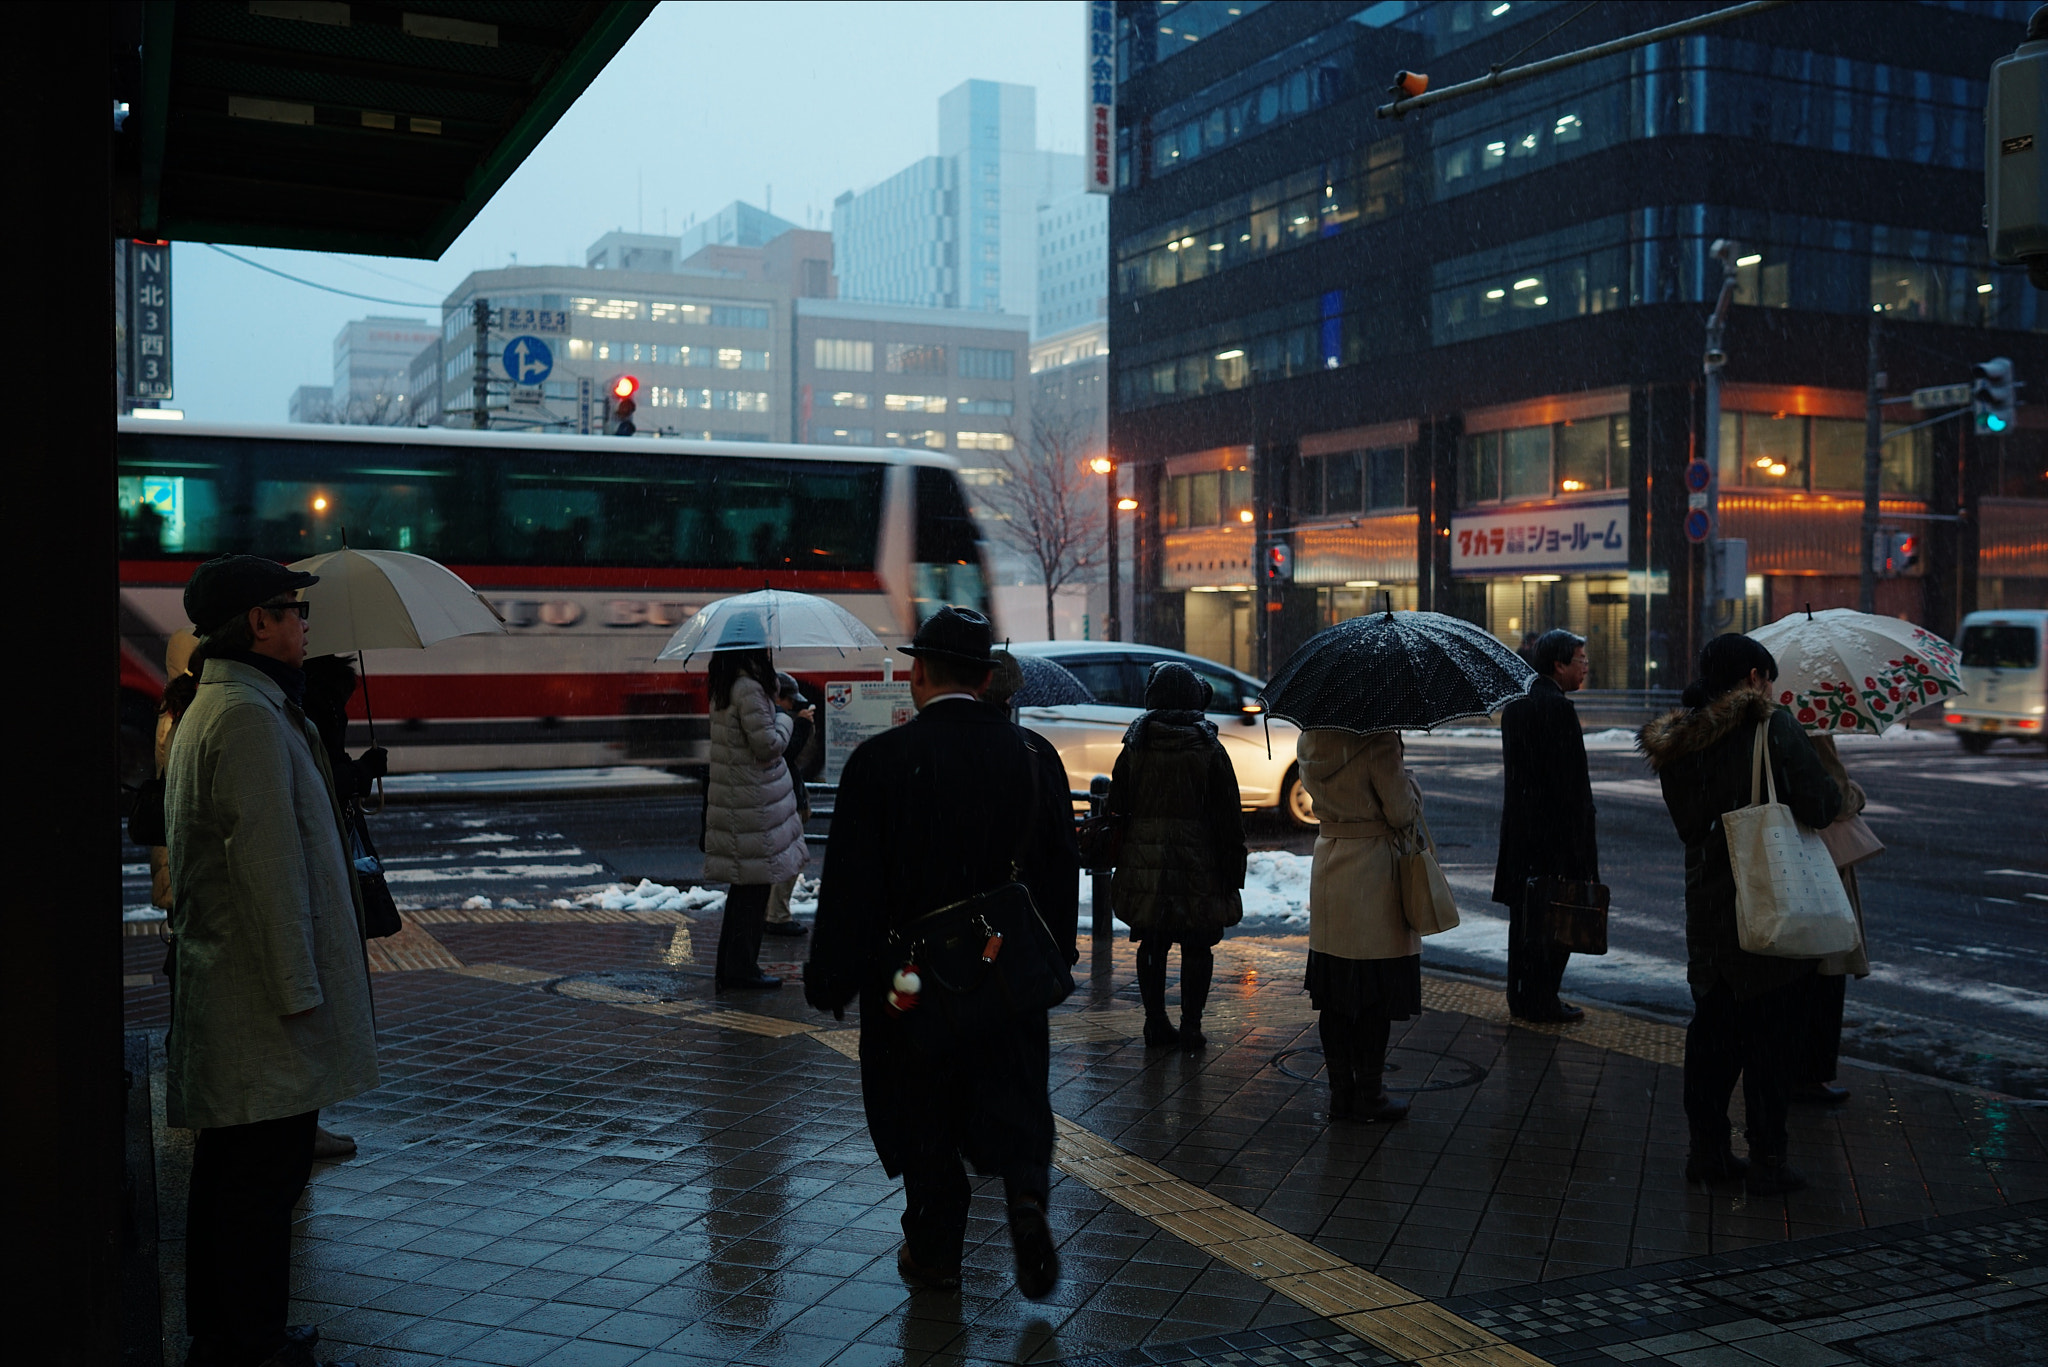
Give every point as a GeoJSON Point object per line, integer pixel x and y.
{"type": "Point", "coordinates": [959, 634]}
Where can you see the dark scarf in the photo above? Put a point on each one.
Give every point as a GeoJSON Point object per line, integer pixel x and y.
{"type": "Point", "coordinates": [292, 681]}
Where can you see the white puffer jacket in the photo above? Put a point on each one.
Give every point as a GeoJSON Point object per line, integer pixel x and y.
{"type": "Point", "coordinates": [752, 833]}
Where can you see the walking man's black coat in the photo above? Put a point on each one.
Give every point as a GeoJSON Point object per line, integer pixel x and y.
{"type": "Point", "coordinates": [928, 814]}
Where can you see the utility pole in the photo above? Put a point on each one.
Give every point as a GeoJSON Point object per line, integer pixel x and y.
{"type": "Point", "coordinates": [1716, 357]}
{"type": "Point", "coordinates": [480, 387]}
{"type": "Point", "coordinates": [1113, 628]}
{"type": "Point", "coordinates": [1873, 468]}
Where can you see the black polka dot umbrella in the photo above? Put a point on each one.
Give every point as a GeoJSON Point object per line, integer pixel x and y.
{"type": "Point", "coordinates": [1396, 671]}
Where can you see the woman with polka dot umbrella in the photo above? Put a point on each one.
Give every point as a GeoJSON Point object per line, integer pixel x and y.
{"type": "Point", "coordinates": [1842, 672]}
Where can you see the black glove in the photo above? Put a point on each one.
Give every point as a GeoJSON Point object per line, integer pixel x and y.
{"type": "Point", "coordinates": [374, 763]}
{"type": "Point", "coordinates": [822, 995]}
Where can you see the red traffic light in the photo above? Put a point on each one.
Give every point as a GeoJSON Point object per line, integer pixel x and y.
{"type": "Point", "coordinates": [1409, 84]}
{"type": "Point", "coordinates": [625, 387]}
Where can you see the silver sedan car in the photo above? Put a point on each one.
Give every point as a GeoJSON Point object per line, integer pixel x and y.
{"type": "Point", "coordinates": [1090, 736]}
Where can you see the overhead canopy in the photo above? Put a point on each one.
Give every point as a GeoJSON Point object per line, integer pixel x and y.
{"type": "Point", "coordinates": [378, 128]}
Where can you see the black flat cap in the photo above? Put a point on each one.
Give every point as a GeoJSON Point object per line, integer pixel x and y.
{"type": "Point", "coordinates": [232, 584]}
{"type": "Point", "coordinates": [951, 633]}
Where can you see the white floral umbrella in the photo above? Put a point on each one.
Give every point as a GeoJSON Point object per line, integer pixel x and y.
{"type": "Point", "coordinates": [1848, 672]}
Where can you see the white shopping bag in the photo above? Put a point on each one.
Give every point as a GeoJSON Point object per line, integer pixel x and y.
{"type": "Point", "coordinates": [1789, 901]}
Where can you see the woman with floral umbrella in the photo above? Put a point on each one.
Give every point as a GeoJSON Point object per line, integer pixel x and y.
{"type": "Point", "coordinates": [1848, 673]}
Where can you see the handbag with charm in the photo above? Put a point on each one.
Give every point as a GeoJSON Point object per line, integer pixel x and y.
{"type": "Point", "coordinates": [970, 967]}
{"type": "Point", "coordinates": [1565, 913]}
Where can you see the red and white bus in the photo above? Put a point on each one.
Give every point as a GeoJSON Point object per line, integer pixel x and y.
{"type": "Point", "coordinates": [593, 548]}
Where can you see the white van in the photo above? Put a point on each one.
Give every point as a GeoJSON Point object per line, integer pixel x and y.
{"type": "Point", "coordinates": [2005, 673]}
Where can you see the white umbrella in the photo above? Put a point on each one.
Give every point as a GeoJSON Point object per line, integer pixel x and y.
{"type": "Point", "coordinates": [378, 600]}
{"type": "Point", "coordinates": [1842, 671]}
{"type": "Point", "coordinates": [770, 619]}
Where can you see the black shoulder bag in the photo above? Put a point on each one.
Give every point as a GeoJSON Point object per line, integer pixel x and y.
{"type": "Point", "coordinates": [981, 961]}
{"type": "Point", "coordinates": [380, 911]}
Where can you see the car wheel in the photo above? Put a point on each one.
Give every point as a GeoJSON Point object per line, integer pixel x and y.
{"type": "Point", "coordinates": [1974, 743]}
{"type": "Point", "coordinates": [1295, 804]}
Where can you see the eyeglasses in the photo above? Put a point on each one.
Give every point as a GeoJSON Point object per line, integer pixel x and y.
{"type": "Point", "coordinates": [298, 605]}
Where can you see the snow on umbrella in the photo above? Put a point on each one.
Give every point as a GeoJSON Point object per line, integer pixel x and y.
{"type": "Point", "coordinates": [770, 619]}
{"type": "Point", "coordinates": [1048, 684]}
{"type": "Point", "coordinates": [1845, 671]}
{"type": "Point", "coordinates": [380, 600]}
{"type": "Point", "coordinates": [1390, 672]}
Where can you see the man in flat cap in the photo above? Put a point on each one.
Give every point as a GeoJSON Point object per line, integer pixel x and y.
{"type": "Point", "coordinates": [953, 804]}
{"type": "Point", "coordinates": [271, 1017]}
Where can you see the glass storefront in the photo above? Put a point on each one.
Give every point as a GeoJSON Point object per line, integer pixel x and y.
{"type": "Point", "coordinates": [1522, 607]}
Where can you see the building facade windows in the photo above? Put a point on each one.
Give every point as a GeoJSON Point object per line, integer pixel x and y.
{"type": "Point", "coordinates": [913, 358]}
{"type": "Point", "coordinates": [1352, 482]}
{"type": "Point", "coordinates": [839, 353]}
{"type": "Point", "coordinates": [1799, 454]}
{"type": "Point", "coordinates": [730, 400]}
{"type": "Point", "coordinates": [984, 441]}
{"type": "Point", "coordinates": [930, 438]}
{"type": "Point", "coordinates": [993, 408]}
{"type": "Point", "coordinates": [843, 436]}
{"type": "Point", "coordinates": [670, 311]}
{"type": "Point", "coordinates": [1557, 459]}
{"type": "Point", "coordinates": [914, 403]}
{"type": "Point", "coordinates": [845, 398]}
{"type": "Point", "coordinates": [986, 363]}
{"type": "Point", "coordinates": [1212, 498]}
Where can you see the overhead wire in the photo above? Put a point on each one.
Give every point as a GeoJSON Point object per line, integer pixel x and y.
{"type": "Point", "coordinates": [316, 285]}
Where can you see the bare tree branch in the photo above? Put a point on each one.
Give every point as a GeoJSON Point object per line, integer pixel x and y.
{"type": "Point", "coordinates": [1048, 506]}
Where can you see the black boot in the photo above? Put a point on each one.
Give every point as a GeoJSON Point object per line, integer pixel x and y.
{"type": "Point", "coordinates": [1338, 1051]}
{"type": "Point", "coordinates": [1197, 967]}
{"type": "Point", "coordinates": [1369, 1071]}
{"type": "Point", "coordinates": [1159, 1031]}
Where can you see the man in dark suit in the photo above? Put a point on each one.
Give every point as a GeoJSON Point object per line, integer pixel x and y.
{"type": "Point", "coordinates": [1546, 817]}
{"type": "Point", "coordinates": [932, 813]}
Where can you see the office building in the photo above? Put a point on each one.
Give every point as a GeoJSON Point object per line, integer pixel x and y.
{"type": "Point", "coordinates": [1073, 264]}
{"type": "Point", "coordinates": [885, 375]}
{"type": "Point", "coordinates": [959, 230]}
{"type": "Point", "coordinates": [1454, 361]}
{"type": "Point", "coordinates": [372, 357]}
{"type": "Point", "coordinates": [310, 403]}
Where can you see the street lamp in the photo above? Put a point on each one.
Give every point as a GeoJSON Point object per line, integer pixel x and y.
{"type": "Point", "coordinates": [1113, 627]}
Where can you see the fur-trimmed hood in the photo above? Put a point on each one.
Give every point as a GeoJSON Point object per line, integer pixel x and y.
{"type": "Point", "coordinates": [1685, 731]}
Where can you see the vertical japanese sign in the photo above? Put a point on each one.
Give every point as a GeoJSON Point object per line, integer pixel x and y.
{"type": "Point", "coordinates": [149, 320]}
{"type": "Point", "coordinates": [1101, 69]}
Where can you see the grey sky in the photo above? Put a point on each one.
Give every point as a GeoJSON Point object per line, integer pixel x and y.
{"type": "Point", "coordinates": [708, 103]}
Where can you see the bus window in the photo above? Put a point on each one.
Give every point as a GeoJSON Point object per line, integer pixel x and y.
{"type": "Point", "coordinates": [948, 565]}
{"type": "Point", "coordinates": [169, 510]}
{"type": "Point", "coordinates": [380, 509]}
{"type": "Point", "coordinates": [552, 524]}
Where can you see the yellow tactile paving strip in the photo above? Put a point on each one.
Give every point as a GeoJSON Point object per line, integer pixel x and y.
{"type": "Point", "coordinates": [1611, 1030]}
{"type": "Point", "coordinates": [411, 949]}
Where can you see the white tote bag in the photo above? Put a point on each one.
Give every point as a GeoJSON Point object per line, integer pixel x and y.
{"type": "Point", "coordinates": [1789, 901]}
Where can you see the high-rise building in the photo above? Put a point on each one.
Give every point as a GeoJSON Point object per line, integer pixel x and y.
{"type": "Point", "coordinates": [958, 230]}
{"type": "Point", "coordinates": [1073, 263]}
{"type": "Point", "coordinates": [371, 359]}
{"type": "Point", "coordinates": [1454, 361]}
{"type": "Point", "coordinates": [310, 403]}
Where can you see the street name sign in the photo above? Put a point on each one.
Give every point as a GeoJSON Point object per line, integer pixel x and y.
{"type": "Point", "coordinates": [1941, 396]}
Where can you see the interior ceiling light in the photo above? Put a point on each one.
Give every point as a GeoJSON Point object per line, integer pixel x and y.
{"type": "Point", "coordinates": [1527, 283]}
{"type": "Point", "coordinates": [1752, 259]}
{"type": "Point", "coordinates": [1496, 294]}
{"type": "Point", "coordinates": [1244, 515]}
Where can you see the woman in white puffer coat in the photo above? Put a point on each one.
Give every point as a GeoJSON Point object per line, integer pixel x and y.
{"type": "Point", "coordinates": [753, 834]}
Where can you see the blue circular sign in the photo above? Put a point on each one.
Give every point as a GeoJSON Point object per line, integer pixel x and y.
{"type": "Point", "coordinates": [1698, 476]}
{"type": "Point", "coordinates": [1698, 524]}
{"type": "Point", "coordinates": [528, 360]}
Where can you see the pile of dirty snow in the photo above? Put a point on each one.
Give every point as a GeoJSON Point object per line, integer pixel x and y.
{"type": "Point", "coordinates": [144, 914]}
{"type": "Point", "coordinates": [648, 896]}
{"type": "Point", "coordinates": [1275, 891]}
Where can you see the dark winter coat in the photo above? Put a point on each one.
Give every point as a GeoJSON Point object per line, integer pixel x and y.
{"type": "Point", "coordinates": [931, 813]}
{"type": "Point", "coordinates": [1546, 814]}
{"type": "Point", "coordinates": [1702, 757]}
{"type": "Point", "coordinates": [1183, 850]}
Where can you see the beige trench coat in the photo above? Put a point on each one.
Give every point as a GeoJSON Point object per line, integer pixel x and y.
{"type": "Point", "coordinates": [265, 913]}
{"type": "Point", "coordinates": [1363, 797]}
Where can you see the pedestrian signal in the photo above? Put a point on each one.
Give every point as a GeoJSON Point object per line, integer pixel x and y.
{"type": "Point", "coordinates": [619, 406]}
{"type": "Point", "coordinates": [1893, 553]}
{"type": "Point", "coordinates": [1991, 396]}
{"type": "Point", "coordinates": [1279, 563]}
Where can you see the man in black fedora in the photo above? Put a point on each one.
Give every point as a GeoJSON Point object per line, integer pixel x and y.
{"type": "Point", "coordinates": [948, 806]}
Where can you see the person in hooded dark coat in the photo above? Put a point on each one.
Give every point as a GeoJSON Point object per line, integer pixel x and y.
{"type": "Point", "coordinates": [1746, 1007]}
{"type": "Point", "coordinates": [934, 812]}
{"type": "Point", "coordinates": [1546, 817]}
{"type": "Point", "coordinates": [1183, 848]}
{"type": "Point", "coordinates": [330, 683]}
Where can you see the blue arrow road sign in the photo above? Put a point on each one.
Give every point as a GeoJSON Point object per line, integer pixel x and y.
{"type": "Point", "coordinates": [528, 360]}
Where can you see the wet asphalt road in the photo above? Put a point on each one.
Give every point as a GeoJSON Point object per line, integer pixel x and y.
{"type": "Point", "coordinates": [1956, 908]}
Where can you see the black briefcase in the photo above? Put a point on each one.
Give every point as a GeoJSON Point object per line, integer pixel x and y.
{"type": "Point", "coordinates": [1565, 913]}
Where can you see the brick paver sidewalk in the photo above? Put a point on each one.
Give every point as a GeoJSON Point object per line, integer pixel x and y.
{"type": "Point", "coordinates": [579, 1155]}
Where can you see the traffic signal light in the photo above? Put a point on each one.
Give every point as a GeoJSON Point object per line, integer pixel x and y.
{"type": "Point", "coordinates": [619, 405]}
{"type": "Point", "coordinates": [1893, 553]}
{"type": "Point", "coordinates": [1279, 563]}
{"type": "Point", "coordinates": [1991, 396]}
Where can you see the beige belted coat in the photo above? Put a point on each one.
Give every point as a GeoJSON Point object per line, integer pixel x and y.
{"type": "Point", "coordinates": [265, 911]}
{"type": "Point", "coordinates": [1364, 798]}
